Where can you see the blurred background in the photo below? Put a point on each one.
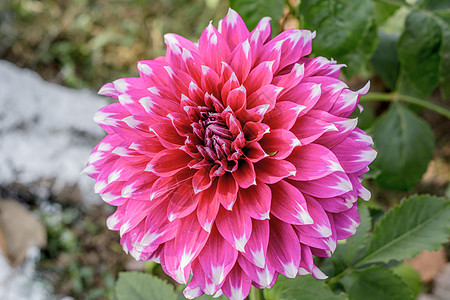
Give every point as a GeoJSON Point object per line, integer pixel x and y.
{"type": "Point", "coordinates": [52, 227]}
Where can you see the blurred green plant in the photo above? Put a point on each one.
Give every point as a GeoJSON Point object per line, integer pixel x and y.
{"type": "Point", "coordinates": [85, 43]}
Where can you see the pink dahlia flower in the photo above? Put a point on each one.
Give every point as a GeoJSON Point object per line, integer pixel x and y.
{"type": "Point", "coordinates": [233, 159]}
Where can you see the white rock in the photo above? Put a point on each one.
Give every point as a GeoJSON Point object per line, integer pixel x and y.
{"type": "Point", "coordinates": [46, 132]}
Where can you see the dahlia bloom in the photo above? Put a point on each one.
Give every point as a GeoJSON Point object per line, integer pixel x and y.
{"type": "Point", "coordinates": [232, 160]}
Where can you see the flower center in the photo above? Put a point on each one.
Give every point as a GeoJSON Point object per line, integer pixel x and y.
{"type": "Point", "coordinates": [217, 137]}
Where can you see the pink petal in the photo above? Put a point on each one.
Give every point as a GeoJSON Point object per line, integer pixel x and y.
{"type": "Point", "coordinates": [168, 162]}
{"type": "Point", "coordinates": [213, 48]}
{"type": "Point", "coordinates": [203, 280]}
{"type": "Point", "coordinates": [245, 174]}
{"type": "Point", "coordinates": [290, 80]}
{"type": "Point", "coordinates": [253, 131]}
{"type": "Point", "coordinates": [208, 207]}
{"type": "Point", "coordinates": [289, 204]}
{"type": "Point", "coordinates": [108, 90]}
{"type": "Point", "coordinates": [261, 276]}
{"type": "Point", "coordinates": [332, 185]}
{"type": "Point", "coordinates": [321, 226]}
{"type": "Point", "coordinates": [353, 156]}
{"type": "Point", "coordinates": [201, 180]}
{"type": "Point", "coordinates": [313, 161]}
{"type": "Point", "coordinates": [217, 257]}
{"type": "Point", "coordinates": [284, 115]}
{"type": "Point", "coordinates": [241, 60]}
{"type": "Point", "coordinates": [235, 226]}
{"type": "Point", "coordinates": [279, 143]}
{"type": "Point", "coordinates": [260, 76]}
{"type": "Point", "coordinates": [184, 248]}
{"type": "Point", "coordinates": [347, 222]}
{"type": "Point", "coordinates": [309, 129]}
{"type": "Point", "coordinates": [266, 95]}
{"type": "Point", "coordinates": [237, 285]}
{"type": "Point", "coordinates": [227, 189]}
{"type": "Point", "coordinates": [270, 170]}
{"type": "Point", "coordinates": [256, 247]}
{"type": "Point", "coordinates": [233, 29]}
{"type": "Point", "coordinates": [283, 251]}
{"type": "Point", "coordinates": [182, 202]}
{"type": "Point", "coordinates": [256, 200]}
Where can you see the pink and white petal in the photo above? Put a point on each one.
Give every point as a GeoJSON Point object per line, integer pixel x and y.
{"type": "Point", "coordinates": [260, 35]}
{"type": "Point", "coordinates": [233, 29]}
{"type": "Point", "coordinates": [254, 152]}
{"type": "Point", "coordinates": [209, 81]}
{"type": "Point", "coordinates": [108, 90]}
{"type": "Point", "coordinates": [332, 138]}
{"type": "Point", "coordinates": [236, 98]}
{"type": "Point", "coordinates": [203, 280]}
{"type": "Point", "coordinates": [182, 202]}
{"type": "Point", "coordinates": [208, 207]}
{"type": "Point", "coordinates": [309, 129]}
{"type": "Point", "coordinates": [262, 276]}
{"type": "Point", "coordinates": [245, 174]}
{"type": "Point", "coordinates": [292, 44]}
{"type": "Point", "coordinates": [241, 60]}
{"type": "Point", "coordinates": [352, 156]}
{"type": "Point", "coordinates": [256, 247]}
{"type": "Point", "coordinates": [202, 179]}
{"type": "Point", "coordinates": [152, 73]}
{"type": "Point", "coordinates": [313, 161]}
{"type": "Point", "coordinates": [290, 80]}
{"type": "Point", "coordinates": [347, 101]}
{"type": "Point", "coordinates": [254, 131]}
{"type": "Point", "coordinates": [284, 115]}
{"type": "Point", "coordinates": [124, 85]}
{"type": "Point", "coordinates": [168, 162]}
{"type": "Point", "coordinates": [304, 94]}
{"type": "Point", "coordinates": [111, 116]}
{"type": "Point", "coordinates": [217, 257]}
{"type": "Point", "coordinates": [347, 222]}
{"type": "Point", "coordinates": [256, 200]}
{"type": "Point", "coordinates": [235, 226]}
{"type": "Point", "coordinates": [261, 75]}
{"type": "Point", "coordinates": [270, 170]}
{"type": "Point", "coordinates": [321, 226]}
{"type": "Point", "coordinates": [279, 143]}
{"type": "Point", "coordinates": [332, 185]}
{"type": "Point", "coordinates": [227, 189]}
{"type": "Point", "coordinates": [237, 284]}
{"type": "Point", "coordinates": [289, 204]}
{"type": "Point", "coordinates": [193, 289]}
{"type": "Point", "coordinates": [184, 248]}
{"type": "Point", "coordinates": [283, 251]}
{"type": "Point", "coordinates": [266, 95]}
{"type": "Point", "coordinates": [213, 48]}
{"type": "Point", "coordinates": [167, 135]}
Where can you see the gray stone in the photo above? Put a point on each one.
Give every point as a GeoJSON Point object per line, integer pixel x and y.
{"type": "Point", "coordinates": [46, 134]}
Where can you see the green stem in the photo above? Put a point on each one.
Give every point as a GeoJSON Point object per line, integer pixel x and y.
{"type": "Point", "coordinates": [392, 97]}
{"type": "Point", "coordinates": [256, 294]}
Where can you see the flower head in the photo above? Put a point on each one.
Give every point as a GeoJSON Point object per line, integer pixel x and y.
{"type": "Point", "coordinates": [232, 160]}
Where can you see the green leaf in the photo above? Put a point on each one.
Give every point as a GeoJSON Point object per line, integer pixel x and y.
{"type": "Point", "coordinates": [405, 146]}
{"type": "Point", "coordinates": [302, 288]}
{"type": "Point", "coordinates": [410, 276]}
{"type": "Point", "coordinates": [385, 61]}
{"type": "Point", "coordinates": [357, 58]}
{"type": "Point", "coordinates": [343, 27]}
{"type": "Point", "coordinates": [384, 10]}
{"type": "Point", "coordinates": [136, 286]}
{"type": "Point", "coordinates": [375, 283]}
{"type": "Point", "coordinates": [418, 51]}
{"type": "Point", "coordinates": [418, 223]}
{"type": "Point", "coordinates": [253, 10]}
{"type": "Point", "coordinates": [350, 249]}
